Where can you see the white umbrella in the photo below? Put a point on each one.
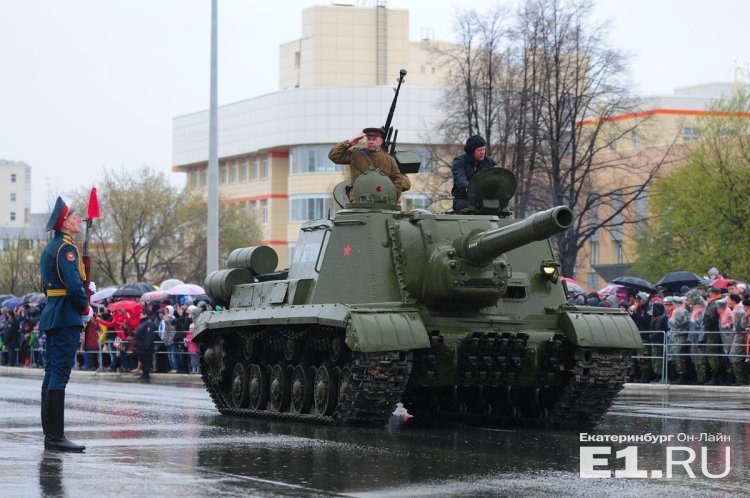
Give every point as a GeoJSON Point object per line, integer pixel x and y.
{"type": "Point", "coordinates": [170, 283]}
{"type": "Point", "coordinates": [186, 290]}
{"type": "Point", "coordinates": [103, 294]}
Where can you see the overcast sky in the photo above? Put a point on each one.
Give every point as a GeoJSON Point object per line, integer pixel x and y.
{"type": "Point", "coordinates": [88, 84]}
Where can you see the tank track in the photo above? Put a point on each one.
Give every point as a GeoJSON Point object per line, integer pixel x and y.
{"type": "Point", "coordinates": [595, 379]}
{"type": "Point", "coordinates": [373, 384]}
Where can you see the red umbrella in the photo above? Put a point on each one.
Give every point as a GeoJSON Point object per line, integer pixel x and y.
{"type": "Point", "coordinates": [722, 283]}
{"type": "Point", "coordinates": [573, 285]}
{"type": "Point", "coordinates": [134, 307]}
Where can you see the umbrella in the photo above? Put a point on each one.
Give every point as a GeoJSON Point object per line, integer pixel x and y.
{"type": "Point", "coordinates": [136, 290]}
{"type": "Point", "coordinates": [677, 279]}
{"type": "Point", "coordinates": [635, 283]}
{"type": "Point", "coordinates": [186, 290]}
{"type": "Point", "coordinates": [150, 297]}
{"type": "Point", "coordinates": [33, 297]}
{"type": "Point", "coordinates": [103, 294]}
{"type": "Point", "coordinates": [573, 285]}
{"type": "Point", "coordinates": [169, 283]}
{"type": "Point", "coordinates": [134, 307]}
{"type": "Point", "coordinates": [722, 283]}
{"type": "Point", "coordinates": [11, 303]}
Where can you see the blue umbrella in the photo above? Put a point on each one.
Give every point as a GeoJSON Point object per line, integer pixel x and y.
{"type": "Point", "coordinates": [11, 303]}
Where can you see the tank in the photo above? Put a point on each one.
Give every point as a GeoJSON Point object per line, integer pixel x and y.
{"type": "Point", "coordinates": [458, 315]}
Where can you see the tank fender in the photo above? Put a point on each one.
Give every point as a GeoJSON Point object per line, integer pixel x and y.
{"type": "Point", "coordinates": [374, 330]}
{"type": "Point", "coordinates": [600, 330]}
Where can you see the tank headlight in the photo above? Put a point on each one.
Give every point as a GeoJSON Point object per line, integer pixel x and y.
{"type": "Point", "coordinates": [550, 270]}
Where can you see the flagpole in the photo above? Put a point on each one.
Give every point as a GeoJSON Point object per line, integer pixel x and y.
{"type": "Point", "coordinates": [212, 236]}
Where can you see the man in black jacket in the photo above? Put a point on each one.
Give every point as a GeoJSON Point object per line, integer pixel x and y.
{"type": "Point", "coordinates": [144, 342]}
{"type": "Point", "coordinates": [12, 333]}
{"type": "Point", "coordinates": [467, 165]}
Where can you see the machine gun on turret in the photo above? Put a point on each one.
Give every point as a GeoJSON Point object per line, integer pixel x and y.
{"type": "Point", "coordinates": [408, 161]}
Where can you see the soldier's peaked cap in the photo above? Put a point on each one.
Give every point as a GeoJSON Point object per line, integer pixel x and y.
{"type": "Point", "coordinates": [380, 132]}
{"type": "Point", "coordinates": [59, 213]}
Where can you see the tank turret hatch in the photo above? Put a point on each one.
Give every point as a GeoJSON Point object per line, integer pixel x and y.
{"type": "Point", "coordinates": [490, 192]}
{"type": "Point", "coordinates": [372, 189]}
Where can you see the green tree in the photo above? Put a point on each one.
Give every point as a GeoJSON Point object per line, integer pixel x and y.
{"type": "Point", "coordinates": [700, 209]}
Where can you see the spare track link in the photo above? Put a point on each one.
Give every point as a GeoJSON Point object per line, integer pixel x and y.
{"type": "Point", "coordinates": [375, 386]}
{"type": "Point", "coordinates": [596, 378]}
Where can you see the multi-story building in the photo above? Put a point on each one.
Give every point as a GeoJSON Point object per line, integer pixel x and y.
{"type": "Point", "coordinates": [663, 127]}
{"type": "Point", "coordinates": [337, 79]}
{"type": "Point", "coordinates": [15, 193]}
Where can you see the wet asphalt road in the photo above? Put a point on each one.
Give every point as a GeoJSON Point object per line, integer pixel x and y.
{"type": "Point", "coordinates": [166, 438]}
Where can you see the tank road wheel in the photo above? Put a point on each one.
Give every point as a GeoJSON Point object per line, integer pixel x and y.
{"type": "Point", "coordinates": [248, 348]}
{"type": "Point", "coordinates": [326, 389]}
{"type": "Point", "coordinates": [215, 359]}
{"type": "Point", "coordinates": [302, 390]}
{"type": "Point", "coordinates": [279, 392]}
{"type": "Point", "coordinates": [335, 346]}
{"type": "Point", "coordinates": [290, 348]}
{"type": "Point", "coordinates": [240, 395]}
{"type": "Point", "coordinates": [258, 387]}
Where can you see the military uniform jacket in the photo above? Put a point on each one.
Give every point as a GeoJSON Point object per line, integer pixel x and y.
{"type": "Point", "coordinates": [62, 276]}
{"type": "Point", "coordinates": [361, 160]}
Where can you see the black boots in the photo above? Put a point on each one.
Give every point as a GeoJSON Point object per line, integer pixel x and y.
{"type": "Point", "coordinates": [53, 422]}
{"type": "Point", "coordinates": [45, 404]}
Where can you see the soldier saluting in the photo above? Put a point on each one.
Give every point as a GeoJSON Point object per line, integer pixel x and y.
{"type": "Point", "coordinates": [62, 319]}
{"type": "Point", "coordinates": [369, 158]}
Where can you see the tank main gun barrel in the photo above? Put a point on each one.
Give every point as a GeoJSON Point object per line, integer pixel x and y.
{"type": "Point", "coordinates": [480, 247]}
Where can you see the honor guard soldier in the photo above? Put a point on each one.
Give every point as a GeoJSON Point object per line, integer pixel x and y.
{"type": "Point", "coordinates": [369, 158]}
{"type": "Point", "coordinates": [62, 319]}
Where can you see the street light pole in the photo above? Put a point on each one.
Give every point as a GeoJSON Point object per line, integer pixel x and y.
{"type": "Point", "coordinates": [212, 237]}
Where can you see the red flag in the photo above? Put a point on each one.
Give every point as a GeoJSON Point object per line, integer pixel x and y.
{"type": "Point", "coordinates": [93, 205]}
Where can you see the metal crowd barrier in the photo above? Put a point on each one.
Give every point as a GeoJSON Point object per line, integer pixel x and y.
{"type": "Point", "coordinates": [668, 346]}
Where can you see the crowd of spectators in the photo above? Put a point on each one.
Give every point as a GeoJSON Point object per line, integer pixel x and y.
{"type": "Point", "coordinates": [108, 342]}
{"type": "Point", "coordinates": [701, 332]}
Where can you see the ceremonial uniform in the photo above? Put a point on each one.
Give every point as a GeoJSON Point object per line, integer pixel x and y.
{"type": "Point", "coordinates": [62, 319]}
{"type": "Point", "coordinates": [361, 160]}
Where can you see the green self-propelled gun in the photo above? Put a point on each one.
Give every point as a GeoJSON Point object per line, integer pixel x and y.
{"type": "Point", "coordinates": [459, 315]}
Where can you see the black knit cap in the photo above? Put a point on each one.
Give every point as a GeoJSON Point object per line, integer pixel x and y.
{"type": "Point", "coordinates": [473, 143]}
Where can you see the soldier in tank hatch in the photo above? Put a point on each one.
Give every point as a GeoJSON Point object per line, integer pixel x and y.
{"type": "Point", "coordinates": [62, 319]}
{"type": "Point", "coordinates": [467, 165]}
{"type": "Point", "coordinates": [369, 158]}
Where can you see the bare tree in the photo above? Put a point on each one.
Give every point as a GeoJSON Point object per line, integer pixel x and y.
{"type": "Point", "coordinates": [547, 96]}
{"type": "Point", "coordinates": [150, 230]}
{"type": "Point", "coordinates": [19, 266]}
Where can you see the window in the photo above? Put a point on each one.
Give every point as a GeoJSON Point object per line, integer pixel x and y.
{"type": "Point", "coordinates": [617, 250]}
{"type": "Point", "coordinates": [12, 197]}
{"type": "Point", "coordinates": [233, 172]}
{"type": "Point", "coordinates": [243, 170]}
{"type": "Point", "coordinates": [689, 134]}
{"type": "Point", "coordinates": [12, 216]}
{"type": "Point", "coordinates": [204, 176]}
{"type": "Point", "coordinates": [593, 252]}
{"type": "Point", "coordinates": [254, 210]}
{"type": "Point", "coordinates": [311, 159]}
{"type": "Point", "coordinates": [264, 173]}
{"type": "Point", "coordinates": [618, 217]}
{"type": "Point", "coordinates": [264, 211]}
{"type": "Point", "coordinates": [309, 207]}
{"type": "Point", "coordinates": [12, 178]}
{"type": "Point", "coordinates": [296, 60]}
{"type": "Point", "coordinates": [223, 173]}
{"type": "Point", "coordinates": [636, 138]}
{"type": "Point", "coordinates": [414, 201]}
{"type": "Point", "coordinates": [612, 142]}
{"type": "Point", "coordinates": [255, 168]}
{"type": "Point", "coordinates": [641, 210]}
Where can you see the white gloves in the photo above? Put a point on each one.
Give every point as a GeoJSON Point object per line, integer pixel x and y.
{"type": "Point", "coordinates": [92, 287]}
{"type": "Point", "coordinates": [87, 317]}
